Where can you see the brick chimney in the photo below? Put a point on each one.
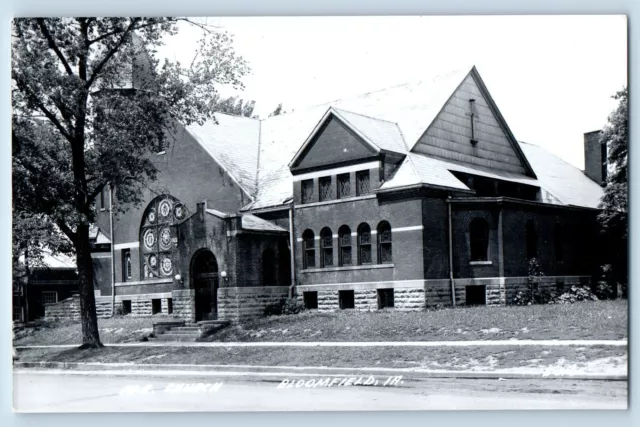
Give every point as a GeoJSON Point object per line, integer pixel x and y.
{"type": "Point", "coordinates": [595, 157]}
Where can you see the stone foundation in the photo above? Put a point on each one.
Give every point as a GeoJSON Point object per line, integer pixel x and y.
{"type": "Point", "coordinates": [237, 304]}
{"type": "Point", "coordinates": [184, 304]}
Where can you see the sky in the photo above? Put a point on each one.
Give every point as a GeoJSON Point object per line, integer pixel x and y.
{"type": "Point", "coordinates": [552, 77]}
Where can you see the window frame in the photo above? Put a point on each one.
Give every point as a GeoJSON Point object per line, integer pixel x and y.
{"type": "Point", "coordinates": [382, 228]}
{"type": "Point", "coordinates": [49, 293]}
{"type": "Point", "coordinates": [364, 229]}
{"type": "Point", "coordinates": [306, 191]}
{"type": "Point", "coordinates": [127, 265]}
{"type": "Point", "coordinates": [479, 239]}
{"type": "Point", "coordinates": [340, 179]}
{"type": "Point", "coordinates": [324, 189]}
{"type": "Point", "coordinates": [345, 245]}
{"type": "Point", "coordinates": [359, 175]}
{"type": "Point", "coordinates": [308, 247]}
{"type": "Point", "coordinates": [326, 247]}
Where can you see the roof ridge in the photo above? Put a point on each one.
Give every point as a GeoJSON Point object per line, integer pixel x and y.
{"type": "Point", "coordinates": [362, 94]}
{"type": "Point", "coordinates": [365, 115]}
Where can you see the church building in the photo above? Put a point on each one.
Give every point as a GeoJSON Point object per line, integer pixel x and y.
{"type": "Point", "coordinates": [412, 197]}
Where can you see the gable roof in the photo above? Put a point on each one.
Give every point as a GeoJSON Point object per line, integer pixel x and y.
{"type": "Point", "coordinates": [233, 142]}
{"type": "Point", "coordinates": [257, 153]}
{"type": "Point", "coordinates": [378, 135]}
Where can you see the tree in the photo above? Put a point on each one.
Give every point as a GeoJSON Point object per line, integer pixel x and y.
{"type": "Point", "coordinates": [90, 95]}
{"type": "Point", "coordinates": [614, 204]}
{"type": "Point", "coordinates": [234, 105]}
{"type": "Point", "coordinates": [277, 111]}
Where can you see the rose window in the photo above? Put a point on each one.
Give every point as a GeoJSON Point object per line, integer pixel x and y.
{"type": "Point", "coordinates": [159, 237]}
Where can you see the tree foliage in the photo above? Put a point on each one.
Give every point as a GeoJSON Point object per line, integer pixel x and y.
{"type": "Point", "coordinates": [614, 204]}
{"type": "Point", "coordinates": [234, 105]}
{"type": "Point", "coordinates": [277, 111]}
{"type": "Point", "coordinates": [90, 102]}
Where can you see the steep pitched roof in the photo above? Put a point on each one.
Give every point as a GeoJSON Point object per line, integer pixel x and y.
{"type": "Point", "coordinates": [233, 142]}
{"type": "Point", "coordinates": [564, 181]}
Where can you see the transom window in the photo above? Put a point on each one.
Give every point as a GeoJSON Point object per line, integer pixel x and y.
{"type": "Point", "coordinates": [158, 236]}
{"type": "Point", "coordinates": [344, 241]}
{"type": "Point", "coordinates": [384, 243]}
{"type": "Point", "coordinates": [364, 244]}
{"type": "Point", "coordinates": [326, 244]}
{"type": "Point", "coordinates": [362, 183]}
{"type": "Point", "coordinates": [344, 185]}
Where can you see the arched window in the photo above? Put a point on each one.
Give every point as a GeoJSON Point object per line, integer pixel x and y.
{"type": "Point", "coordinates": [364, 244]}
{"type": "Point", "coordinates": [384, 243]}
{"type": "Point", "coordinates": [479, 239]}
{"type": "Point", "coordinates": [309, 249]}
{"type": "Point", "coordinates": [344, 241]}
{"type": "Point", "coordinates": [531, 240]}
{"type": "Point", "coordinates": [158, 237]}
{"type": "Point", "coordinates": [326, 246]}
{"type": "Point", "coordinates": [126, 265]}
{"type": "Point", "coordinates": [268, 267]}
{"type": "Point", "coordinates": [558, 242]}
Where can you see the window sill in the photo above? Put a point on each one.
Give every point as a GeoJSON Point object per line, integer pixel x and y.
{"type": "Point", "coordinates": [160, 153]}
{"type": "Point", "coordinates": [481, 263]}
{"type": "Point", "coordinates": [348, 268]}
{"type": "Point", "coordinates": [334, 201]}
{"type": "Point", "coordinates": [103, 209]}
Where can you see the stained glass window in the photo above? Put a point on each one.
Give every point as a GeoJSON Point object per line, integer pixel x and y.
{"type": "Point", "coordinates": [344, 185]}
{"type": "Point", "coordinates": [307, 191]}
{"type": "Point", "coordinates": [326, 243]}
{"type": "Point", "coordinates": [344, 241]}
{"type": "Point", "coordinates": [325, 188]}
{"type": "Point", "coordinates": [384, 243]}
{"type": "Point", "coordinates": [362, 183]}
{"type": "Point", "coordinates": [364, 244]}
{"type": "Point", "coordinates": [158, 236]}
{"type": "Point", "coordinates": [309, 249]}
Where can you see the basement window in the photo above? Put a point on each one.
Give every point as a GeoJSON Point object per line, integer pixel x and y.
{"type": "Point", "coordinates": [385, 298]}
{"type": "Point", "coordinates": [156, 306]}
{"type": "Point", "coordinates": [169, 305]}
{"type": "Point", "coordinates": [310, 300]}
{"type": "Point", "coordinates": [126, 307]}
{"type": "Point", "coordinates": [346, 299]}
{"type": "Point", "coordinates": [476, 295]}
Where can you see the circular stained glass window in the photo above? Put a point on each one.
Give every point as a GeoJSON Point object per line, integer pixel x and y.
{"type": "Point", "coordinates": [149, 239]}
{"type": "Point", "coordinates": [166, 267]}
{"type": "Point", "coordinates": [151, 216]}
{"type": "Point", "coordinates": [165, 239]}
{"type": "Point", "coordinates": [178, 211]}
{"type": "Point", "coordinates": [153, 261]}
{"type": "Point", "coordinates": [165, 208]}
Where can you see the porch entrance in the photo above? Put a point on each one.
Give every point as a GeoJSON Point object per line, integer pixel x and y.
{"type": "Point", "coordinates": [204, 279]}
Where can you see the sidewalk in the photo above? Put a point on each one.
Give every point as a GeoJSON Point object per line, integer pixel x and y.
{"type": "Point", "coordinates": [483, 343]}
{"type": "Point", "coordinates": [296, 373]}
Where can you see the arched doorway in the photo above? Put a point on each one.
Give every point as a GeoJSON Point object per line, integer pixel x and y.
{"type": "Point", "coordinates": [204, 279]}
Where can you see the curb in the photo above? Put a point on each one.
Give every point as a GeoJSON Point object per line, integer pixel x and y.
{"type": "Point", "coordinates": [259, 372]}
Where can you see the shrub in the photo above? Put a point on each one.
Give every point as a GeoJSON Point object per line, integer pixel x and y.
{"type": "Point", "coordinates": [606, 287]}
{"type": "Point", "coordinates": [576, 293]}
{"type": "Point", "coordinates": [284, 306]}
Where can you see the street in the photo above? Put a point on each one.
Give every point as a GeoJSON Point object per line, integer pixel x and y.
{"type": "Point", "coordinates": [73, 391]}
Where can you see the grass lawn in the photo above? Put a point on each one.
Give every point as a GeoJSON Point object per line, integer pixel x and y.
{"type": "Point", "coordinates": [583, 320]}
{"type": "Point", "coordinates": [114, 330]}
{"type": "Point", "coordinates": [597, 358]}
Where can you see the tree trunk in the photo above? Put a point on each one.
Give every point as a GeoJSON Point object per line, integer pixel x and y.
{"type": "Point", "coordinates": [88, 317]}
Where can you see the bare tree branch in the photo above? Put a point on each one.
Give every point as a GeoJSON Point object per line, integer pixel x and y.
{"type": "Point", "coordinates": [54, 46]}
